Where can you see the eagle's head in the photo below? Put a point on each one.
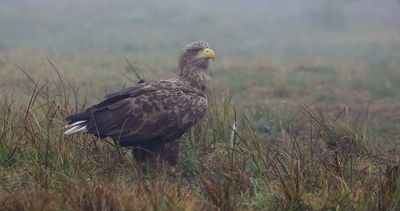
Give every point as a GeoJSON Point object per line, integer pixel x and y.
{"type": "Point", "coordinates": [197, 55]}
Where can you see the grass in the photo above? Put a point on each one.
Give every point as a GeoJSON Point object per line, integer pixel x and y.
{"type": "Point", "coordinates": [320, 162]}
{"type": "Point", "coordinates": [315, 103]}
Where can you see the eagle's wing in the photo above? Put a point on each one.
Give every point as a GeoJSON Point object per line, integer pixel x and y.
{"type": "Point", "coordinates": [162, 111]}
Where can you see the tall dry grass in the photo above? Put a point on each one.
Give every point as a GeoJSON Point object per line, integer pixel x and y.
{"type": "Point", "coordinates": [316, 161]}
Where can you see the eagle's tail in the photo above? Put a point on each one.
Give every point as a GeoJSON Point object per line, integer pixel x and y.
{"type": "Point", "coordinates": [77, 123]}
{"type": "Point", "coordinates": [76, 127]}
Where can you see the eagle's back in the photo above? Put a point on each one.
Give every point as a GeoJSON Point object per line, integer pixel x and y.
{"type": "Point", "coordinates": [159, 110]}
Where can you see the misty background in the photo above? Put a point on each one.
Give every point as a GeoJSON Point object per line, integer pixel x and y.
{"type": "Point", "coordinates": [260, 28]}
{"type": "Point", "coordinates": [257, 42]}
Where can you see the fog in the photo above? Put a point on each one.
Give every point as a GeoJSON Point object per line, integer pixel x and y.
{"type": "Point", "coordinates": [273, 28]}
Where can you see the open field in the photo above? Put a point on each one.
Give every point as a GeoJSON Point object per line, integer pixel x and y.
{"type": "Point", "coordinates": [314, 88]}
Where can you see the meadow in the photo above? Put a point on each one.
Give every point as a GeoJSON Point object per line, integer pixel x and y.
{"type": "Point", "coordinates": [314, 89]}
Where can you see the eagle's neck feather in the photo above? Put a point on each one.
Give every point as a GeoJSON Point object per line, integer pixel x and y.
{"type": "Point", "coordinates": [196, 76]}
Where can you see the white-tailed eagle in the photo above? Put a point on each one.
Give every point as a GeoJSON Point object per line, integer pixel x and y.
{"type": "Point", "coordinates": [151, 116]}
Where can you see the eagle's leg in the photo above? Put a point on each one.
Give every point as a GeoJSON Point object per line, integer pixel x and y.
{"type": "Point", "coordinates": [152, 151]}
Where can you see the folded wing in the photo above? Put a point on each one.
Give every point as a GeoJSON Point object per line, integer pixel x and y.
{"type": "Point", "coordinates": [164, 111]}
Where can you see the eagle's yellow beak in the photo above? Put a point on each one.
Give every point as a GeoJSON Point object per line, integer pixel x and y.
{"type": "Point", "coordinates": [207, 54]}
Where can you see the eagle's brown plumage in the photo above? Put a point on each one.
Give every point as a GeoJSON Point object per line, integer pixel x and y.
{"type": "Point", "coordinates": [152, 116]}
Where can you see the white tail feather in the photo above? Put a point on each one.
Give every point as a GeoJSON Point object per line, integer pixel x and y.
{"type": "Point", "coordinates": [76, 127]}
{"type": "Point", "coordinates": [74, 124]}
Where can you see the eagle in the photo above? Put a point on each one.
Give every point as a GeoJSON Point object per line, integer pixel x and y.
{"type": "Point", "coordinates": [151, 116]}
